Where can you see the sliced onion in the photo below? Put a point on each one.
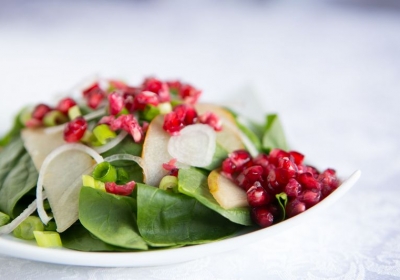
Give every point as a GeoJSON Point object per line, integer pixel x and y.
{"type": "Point", "coordinates": [195, 145]}
{"type": "Point", "coordinates": [8, 228]}
{"type": "Point", "coordinates": [128, 157]}
{"type": "Point", "coordinates": [39, 188]}
{"type": "Point", "coordinates": [114, 142]}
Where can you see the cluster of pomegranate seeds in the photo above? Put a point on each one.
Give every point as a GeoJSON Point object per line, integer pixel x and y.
{"type": "Point", "coordinates": [94, 96]}
{"type": "Point", "coordinates": [184, 115]}
{"type": "Point", "coordinates": [75, 130]}
{"type": "Point", "coordinates": [181, 116]}
{"type": "Point", "coordinates": [186, 92]}
{"type": "Point", "coordinates": [127, 123]}
{"type": "Point", "coordinates": [42, 110]}
{"type": "Point", "coordinates": [266, 176]}
{"type": "Point", "coordinates": [127, 189]}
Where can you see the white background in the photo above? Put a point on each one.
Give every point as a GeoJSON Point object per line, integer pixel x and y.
{"type": "Point", "coordinates": [331, 69]}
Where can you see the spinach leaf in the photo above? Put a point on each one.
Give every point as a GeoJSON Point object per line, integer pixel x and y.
{"type": "Point", "coordinates": [274, 136]}
{"type": "Point", "coordinates": [14, 131]}
{"type": "Point", "coordinates": [111, 218]}
{"type": "Point", "coordinates": [79, 238]}
{"type": "Point", "coordinates": [193, 182]}
{"type": "Point", "coordinates": [167, 219]}
{"type": "Point", "coordinates": [21, 176]}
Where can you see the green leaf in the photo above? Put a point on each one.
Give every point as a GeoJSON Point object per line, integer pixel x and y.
{"type": "Point", "coordinates": [193, 182]}
{"type": "Point", "coordinates": [170, 219]}
{"type": "Point", "coordinates": [219, 156]}
{"type": "Point", "coordinates": [111, 218]}
{"type": "Point", "coordinates": [79, 238]}
{"type": "Point", "coordinates": [274, 136]}
{"type": "Point", "coordinates": [282, 201]}
{"type": "Point", "coordinates": [18, 176]}
{"type": "Point", "coordinates": [14, 131]}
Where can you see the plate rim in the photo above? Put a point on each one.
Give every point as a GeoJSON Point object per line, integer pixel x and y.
{"type": "Point", "coordinates": [23, 249]}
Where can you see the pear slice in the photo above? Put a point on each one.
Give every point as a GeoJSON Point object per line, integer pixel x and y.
{"type": "Point", "coordinates": [40, 144]}
{"type": "Point", "coordinates": [226, 193]}
{"type": "Point", "coordinates": [155, 152]}
{"type": "Point", "coordinates": [229, 137]}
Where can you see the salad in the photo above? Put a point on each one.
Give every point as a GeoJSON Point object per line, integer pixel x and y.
{"type": "Point", "coordinates": [123, 167]}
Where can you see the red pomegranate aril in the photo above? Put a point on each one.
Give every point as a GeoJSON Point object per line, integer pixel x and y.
{"type": "Point", "coordinates": [297, 157]}
{"type": "Point", "coordinates": [94, 96]}
{"type": "Point", "coordinates": [293, 188]}
{"type": "Point", "coordinates": [257, 196]}
{"type": "Point", "coordinates": [130, 124]}
{"type": "Point", "coordinates": [126, 189]}
{"type": "Point", "coordinates": [40, 111]}
{"type": "Point", "coordinates": [116, 103]}
{"type": "Point", "coordinates": [295, 207]}
{"type": "Point", "coordinates": [143, 99]}
{"type": "Point", "coordinates": [174, 172]}
{"type": "Point", "coordinates": [262, 159]}
{"type": "Point", "coordinates": [181, 116]}
{"type": "Point", "coordinates": [276, 154]}
{"type": "Point", "coordinates": [212, 120]}
{"type": "Point", "coordinates": [249, 176]}
{"type": "Point", "coordinates": [310, 197]}
{"type": "Point", "coordinates": [65, 104]}
{"type": "Point", "coordinates": [158, 87]}
{"type": "Point", "coordinates": [311, 169]}
{"type": "Point", "coordinates": [262, 216]}
{"type": "Point", "coordinates": [189, 94]}
{"type": "Point", "coordinates": [308, 181]}
{"type": "Point", "coordinates": [273, 186]}
{"type": "Point", "coordinates": [75, 129]}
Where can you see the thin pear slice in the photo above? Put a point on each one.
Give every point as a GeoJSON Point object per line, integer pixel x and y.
{"type": "Point", "coordinates": [39, 144]}
{"type": "Point", "coordinates": [155, 152]}
{"type": "Point", "coordinates": [229, 138]}
{"type": "Point", "coordinates": [225, 192]}
{"type": "Point", "coordinates": [60, 176]}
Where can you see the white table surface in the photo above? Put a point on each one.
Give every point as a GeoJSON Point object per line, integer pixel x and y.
{"type": "Point", "coordinates": [331, 70]}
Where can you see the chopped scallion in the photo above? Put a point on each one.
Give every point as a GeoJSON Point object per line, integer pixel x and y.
{"type": "Point", "coordinates": [47, 238]}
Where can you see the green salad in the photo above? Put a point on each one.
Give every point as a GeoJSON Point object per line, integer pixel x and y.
{"type": "Point", "coordinates": [121, 167]}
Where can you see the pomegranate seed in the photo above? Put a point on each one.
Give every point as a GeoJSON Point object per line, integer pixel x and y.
{"type": "Point", "coordinates": [273, 186]}
{"type": "Point", "coordinates": [275, 154]}
{"type": "Point", "coordinates": [40, 111]}
{"type": "Point", "coordinates": [131, 125]}
{"type": "Point", "coordinates": [94, 96]}
{"type": "Point", "coordinates": [293, 188]}
{"type": "Point", "coordinates": [308, 181]}
{"type": "Point", "coordinates": [174, 172]}
{"type": "Point", "coordinates": [189, 94]}
{"type": "Point", "coordinates": [170, 165]}
{"type": "Point", "coordinates": [310, 197]}
{"type": "Point", "coordinates": [329, 182]}
{"type": "Point", "coordinates": [212, 120]}
{"type": "Point", "coordinates": [297, 157]}
{"type": "Point", "coordinates": [262, 216]}
{"type": "Point", "coordinates": [261, 159]}
{"type": "Point", "coordinates": [181, 116]}
{"type": "Point", "coordinates": [249, 176]}
{"type": "Point", "coordinates": [116, 103]}
{"type": "Point", "coordinates": [65, 104]}
{"type": "Point", "coordinates": [158, 87]}
{"type": "Point", "coordinates": [236, 162]}
{"type": "Point", "coordinates": [174, 87]}
{"type": "Point", "coordinates": [126, 189]}
{"type": "Point", "coordinates": [75, 129]}
{"type": "Point", "coordinates": [311, 169]}
{"type": "Point", "coordinates": [257, 196]}
{"type": "Point", "coordinates": [294, 207]}
{"type": "Point", "coordinates": [143, 99]}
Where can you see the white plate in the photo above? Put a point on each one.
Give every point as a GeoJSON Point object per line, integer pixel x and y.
{"type": "Point", "coordinates": [29, 250]}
